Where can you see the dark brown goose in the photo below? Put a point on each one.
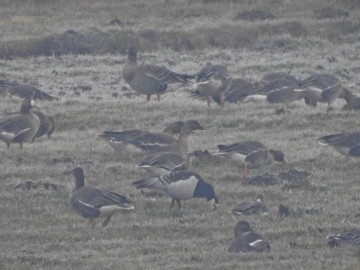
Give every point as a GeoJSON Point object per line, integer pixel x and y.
{"type": "Point", "coordinates": [246, 240]}
{"type": "Point", "coordinates": [150, 79]}
{"type": "Point", "coordinates": [22, 127]}
{"type": "Point", "coordinates": [96, 202]}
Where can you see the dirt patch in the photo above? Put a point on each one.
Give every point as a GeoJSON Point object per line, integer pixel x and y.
{"type": "Point", "coordinates": [27, 185]}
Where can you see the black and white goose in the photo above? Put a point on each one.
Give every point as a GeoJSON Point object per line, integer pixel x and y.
{"type": "Point", "coordinates": [350, 237]}
{"type": "Point", "coordinates": [346, 143]}
{"type": "Point", "coordinates": [22, 127]}
{"type": "Point", "coordinates": [150, 79]}
{"type": "Point", "coordinates": [246, 240]}
{"type": "Point", "coordinates": [180, 185]}
{"type": "Point", "coordinates": [250, 154]}
{"type": "Point", "coordinates": [96, 202]}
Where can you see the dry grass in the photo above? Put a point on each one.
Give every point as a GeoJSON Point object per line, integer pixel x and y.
{"type": "Point", "coordinates": [39, 230]}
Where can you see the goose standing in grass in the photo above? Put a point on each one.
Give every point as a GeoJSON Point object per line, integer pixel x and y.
{"type": "Point", "coordinates": [150, 79]}
{"type": "Point", "coordinates": [96, 202]}
{"type": "Point", "coordinates": [248, 208]}
{"type": "Point", "coordinates": [47, 125]}
{"type": "Point", "coordinates": [246, 240]}
{"type": "Point", "coordinates": [351, 237]}
{"type": "Point", "coordinates": [22, 127]}
{"type": "Point", "coordinates": [151, 142]}
{"type": "Point", "coordinates": [250, 155]}
{"type": "Point", "coordinates": [346, 143]}
{"type": "Point", "coordinates": [180, 185]}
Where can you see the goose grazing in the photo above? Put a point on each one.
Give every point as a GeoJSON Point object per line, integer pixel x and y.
{"type": "Point", "coordinates": [151, 142]}
{"type": "Point", "coordinates": [248, 208]}
{"type": "Point", "coordinates": [246, 240]}
{"type": "Point", "coordinates": [47, 125]}
{"type": "Point", "coordinates": [175, 127]}
{"type": "Point", "coordinates": [96, 202]}
{"type": "Point", "coordinates": [324, 88]}
{"type": "Point", "coordinates": [150, 79]}
{"type": "Point", "coordinates": [21, 127]}
{"type": "Point", "coordinates": [180, 185]}
{"type": "Point", "coordinates": [346, 143]}
{"type": "Point", "coordinates": [211, 89]}
{"type": "Point", "coordinates": [351, 237]}
{"type": "Point", "coordinates": [250, 154]}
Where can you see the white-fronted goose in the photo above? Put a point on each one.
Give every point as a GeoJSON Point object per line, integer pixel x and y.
{"type": "Point", "coordinates": [47, 125]}
{"type": "Point", "coordinates": [96, 202]}
{"type": "Point", "coordinates": [20, 128]}
{"type": "Point", "coordinates": [246, 240]}
{"type": "Point", "coordinates": [350, 237]}
{"type": "Point", "coordinates": [346, 143]}
{"type": "Point", "coordinates": [180, 185]}
{"type": "Point", "coordinates": [247, 208]}
{"type": "Point", "coordinates": [149, 79]}
{"type": "Point", "coordinates": [250, 154]}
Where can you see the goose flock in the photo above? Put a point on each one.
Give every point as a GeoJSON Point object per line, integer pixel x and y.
{"type": "Point", "coordinates": [167, 159]}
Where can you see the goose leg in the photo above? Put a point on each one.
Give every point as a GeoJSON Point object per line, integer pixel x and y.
{"type": "Point", "coordinates": [222, 101]}
{"type": "Point", "coordinates": [178, 203]}
{"type": "Point", "coordinates": [158, 97]}
{"type": "Point", "coordinates": [208, 101]}
{"type": "Point", "coordinates": [106, 221]}
{"type": "Point", "coordinates": [92, 223]}
{"type": "Point", "coordinates": [172, 204]}
{"type": "Point", "coordinates": [148, 97]}
{"type": "Point", "coordinates": [8, 145]}
{"type": "Point", "coordinates": [245, 171]}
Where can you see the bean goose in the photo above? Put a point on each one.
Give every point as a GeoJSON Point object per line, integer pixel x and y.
{"type": "Point", "coordinates": [22, 127]}
{"type": "Point", "coordinates": [346, 143]}
{"type": "Point", "coordinates": [96, 202]}
{"type": "Point", "coordinates": [150, 79]}
{"type": "Point", "coordinates": [180, 185]}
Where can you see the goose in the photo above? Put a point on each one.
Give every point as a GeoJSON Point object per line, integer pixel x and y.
{"type": "Point", "coordinates": [180, 185]}
{"type": "Point", "coordinates": [248, 208]}
{"type": "Point", "coordinates": [150, 79]}
{"type": "Point", "coordinates": [213, 88]}
{"type": "Point", "coordinates": [346, 143]}
{"type": "Point", "coordinates": [352, 100]}
{"type": "Point", "coordinates": [324, 88]}
{"type": "Point", "coordinates": [210, 71]}
{"type": "Point", "coordinates": [246, 240]}
{"type": "Point", "coordinates": [350, 237]}
{"type": "Point", "coordinates": [22, 127]}
{"type": "Point", "coordinates": [47, 125]}
{"type": "Point", "coordinates": [175, 127]}
{"type": "Point", "coordinates": [138, 141]}
{"type": "Point", "coordinates": [93, 202]}
{"type": "Point", "coordinates": [24, 91]}
{"type": "Point", "coordinates": [250, 154]}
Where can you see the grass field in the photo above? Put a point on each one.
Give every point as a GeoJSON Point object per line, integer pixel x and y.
{"type": "Point", "coordinates": [38, 228]}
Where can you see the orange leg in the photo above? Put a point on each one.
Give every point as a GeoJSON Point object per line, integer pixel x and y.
{"type": "Point", "coordinates": [158, 97]}
{"type": "Point", "coordinates": [245, 171]}
{"type": "Point", "coordinates": [208, 101]}
{"type": "Point", "coordinates": [106, 221]}
{"type": "Point", "coordinates": [222, 101]}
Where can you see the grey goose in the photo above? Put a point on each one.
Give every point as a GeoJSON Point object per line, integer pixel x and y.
{"type": "Point", "coordinates": [246, 240]}
{"type": "Point", "coordinates": [351, 237]}
{"type": "Point", "coordinates": [139, 141]}
{"type": "Point", "coordinates": [149, 79]}
{"type": "Point", "coordinates": [250, 154]}
{"type": "Point", "coordinates": [210, 71]}
{"type": "Point", "coordinates": [175, 127]}
{"type": "Point", "coordinates": [93, 202]}
{"type": "Point", "coordinates": [23, 91]}
{"type": "Point", "coordinates": [346, 143]}
{"type": "Point", "coordinates": [180, 185]}
{"type": "Point", "coordinates": [22, 127]}
{"type": "Point", "coordinates": [247, 208]}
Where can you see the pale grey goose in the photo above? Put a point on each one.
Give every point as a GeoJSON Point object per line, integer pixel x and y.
{"type": "Point", "coordinates": [150, 79]}
{"type": "Point", "coordinates": [21, 127]}
{"type": "Point", "coordinates": [93, 202]}
{"type": "Point", "coordinates": [246, 240]}
{"type": "Point", "coordinates": [346, 143]}
{"type": "Point", "coordinates": [250, 154]}
{"type": "Point", "coordinates": [180, 185]}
